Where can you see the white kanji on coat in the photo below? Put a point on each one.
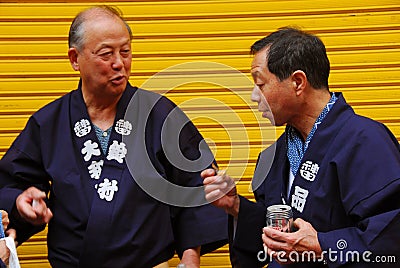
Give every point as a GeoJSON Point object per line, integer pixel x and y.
{"type": "Point", "coordinates": [123, 127]}
{"type": "Point", "coordinates": [309, 170]}
{"type": "Point", "coordinates": [117, 151]}
{"type": "Point", "coordinates": [82, 127]}
{"type": "Point", "coordinates": [95, 169]}
{"type": "Point", "coordinates": [299, 198]}
{"type": "Point", "coordinates": [90, 148]}
{"type": "Point", "coordinates": [106, 189]}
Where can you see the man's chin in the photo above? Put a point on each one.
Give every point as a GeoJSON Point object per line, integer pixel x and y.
{"type": "Point", "coordinates": [268, 115]}
{"type": "Point", "coordinates": [119, 86]}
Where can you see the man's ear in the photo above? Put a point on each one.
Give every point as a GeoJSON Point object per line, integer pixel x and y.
{"type": "Point", "coordinates": [299, 80]}
{"type": "Point", "coordinates": [73, 58]}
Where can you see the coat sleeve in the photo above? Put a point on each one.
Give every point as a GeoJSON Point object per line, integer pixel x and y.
{"type": "Point", "coordinates": [369, 181]}
{"type": "Point", "coordinates": [203, 225]}
{"type": "Point", "coordinates": [21, 168]}
{"type": "Point", "coordinates": [2, 265]}
{"type": "Point", "coordinates": [246, 246]}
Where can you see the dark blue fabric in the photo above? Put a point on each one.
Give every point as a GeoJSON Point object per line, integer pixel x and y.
{"type": "Point", "coordinates": [354, 196]}
{"type": "Point", "coordinates": [2, 265]}
{"type": "Point", "coordinates": [134, 230]}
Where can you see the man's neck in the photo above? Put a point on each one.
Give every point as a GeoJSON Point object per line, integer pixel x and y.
{"type": "Point", "coordinates": [310, 111]}
{"type": "Point", "coordinates": [102, 111]}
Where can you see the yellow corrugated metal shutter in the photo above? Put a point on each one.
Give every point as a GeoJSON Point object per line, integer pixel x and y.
{"type": "Point", "coordinates": [201, 49]}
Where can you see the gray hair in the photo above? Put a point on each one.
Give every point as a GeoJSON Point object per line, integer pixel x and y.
{"type": "Point", "coordinates": [76, 36]}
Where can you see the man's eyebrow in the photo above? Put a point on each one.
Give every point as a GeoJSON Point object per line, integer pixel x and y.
{"type": "Point", "coordinates": [127, 43]}
{"type": "Point", "coordinates": [100, 48]}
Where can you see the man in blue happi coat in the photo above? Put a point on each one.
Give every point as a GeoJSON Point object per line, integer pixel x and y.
{"type": "Point", "coordinates": [339, 172]}
{"type": "Point", "coordinates": [94, 165]}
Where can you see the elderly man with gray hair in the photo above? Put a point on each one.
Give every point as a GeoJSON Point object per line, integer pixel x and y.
{"type": "Point", "coordinates": [69, 166]}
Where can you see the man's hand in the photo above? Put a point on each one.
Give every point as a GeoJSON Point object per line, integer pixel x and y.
{"type": "Point", "coordinates": [4, 219]}
{"type": "Point", "coordinates": [220, 190]}
{"type": "Point", "coordinates": [32, 207]}
{"type": "Point", "coordinates": [4, 251]}
{"type": "Point", "coordinates": [191, 258]}
{"type": "Point", "coordinates": [279, 244]}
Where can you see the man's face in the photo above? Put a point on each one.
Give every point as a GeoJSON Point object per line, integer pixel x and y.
{"type": "Point", "coordinates": [272, 95]}
{"type": "Point", "coordinates": [105, 59]}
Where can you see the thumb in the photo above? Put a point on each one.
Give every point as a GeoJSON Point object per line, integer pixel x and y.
{"type": "Point", "coordinates": [207, 173]}
{"type": "Point", "coordinates": [299, 223]}
{"type": "Point", "coordinates": [36, 193]}
{"type": "Point", "coordinates": [12, 233]}
{"type": "Point", "coordinates": [48, 216]}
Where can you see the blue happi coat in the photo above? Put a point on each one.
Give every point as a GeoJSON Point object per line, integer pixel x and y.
{"type": "Point", "coordinates": [102, 217]}
{"type": "Point", "coordinates": [347, 187]}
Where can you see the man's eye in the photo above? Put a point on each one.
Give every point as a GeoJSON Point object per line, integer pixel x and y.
{"type": "Point", "coordinates": [125, 52]}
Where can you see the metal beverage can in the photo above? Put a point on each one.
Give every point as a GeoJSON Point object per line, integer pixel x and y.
{"type": "Point", "coordinates": [280, 217]}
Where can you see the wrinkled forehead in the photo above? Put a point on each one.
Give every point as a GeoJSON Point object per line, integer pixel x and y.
{"type": "Point", "coordinates": [104, 26]}
{"type": "Point", "coordinates": [101, 18]}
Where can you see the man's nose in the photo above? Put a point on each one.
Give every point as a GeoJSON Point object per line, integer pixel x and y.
{"type": "Point", "coordinates": [255, 94]}
{"type": "Point", "coordinates": [118, 62]}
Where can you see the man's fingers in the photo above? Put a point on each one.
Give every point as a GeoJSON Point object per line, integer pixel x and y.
{"type": "Point", "coordinates": [44, 216]}
{"type": "Point", "coordinates": [275, 234]}
{"type": "Point", "coordinates": [39, 206]}
{"type": "Point", "coordinates": [12, 233]}
{"type": "Point", "coordinates": [33, 208]}
{"type": "Point", "coordinates": [216, 180]}
{"type": "Point", "coordinates": [207, 173]}
{"type": "Point", "coordinates": [48, 215]}
{"type": "Point", "coordinates": [299, 223]}
{"type": "Point", "coordinates": [212, 187]}
{"type": "Point", "coordinates": [273, 245]}
{"type": "Point", "coordinates": [5, 220]}
{"type": "Point", "coordinates": [214, 195]}
{"type": "Point", "coordinates": [35, 193]}
{"type": "Point", "coordinates": [26, 211]}
{"type": "Point", "coordinates": [209, 180]}
{"type": "Point", "coordinates": [4, 213]}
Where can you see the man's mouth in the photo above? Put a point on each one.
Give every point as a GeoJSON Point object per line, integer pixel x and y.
{"type": "Point", "coordinates": [118, 79]}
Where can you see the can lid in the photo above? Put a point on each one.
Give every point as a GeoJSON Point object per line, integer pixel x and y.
{"type": "Point", "coordinates": [279, 211]}
{"type": "Point", "coordinates": [279, 208]}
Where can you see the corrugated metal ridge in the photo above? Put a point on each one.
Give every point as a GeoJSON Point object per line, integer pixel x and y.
{"type": "Point", "coordinates": [206, 16]}
{"type": "Point", "coordinates": [257, 33]}
{"type": "Point", "coordinates": [177, 54]}
{"type": "Point", "coordinates": [74, 74]}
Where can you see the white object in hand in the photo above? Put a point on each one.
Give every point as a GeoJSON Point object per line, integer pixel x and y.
{"type": "Point", "coordinates": [35, 202]}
